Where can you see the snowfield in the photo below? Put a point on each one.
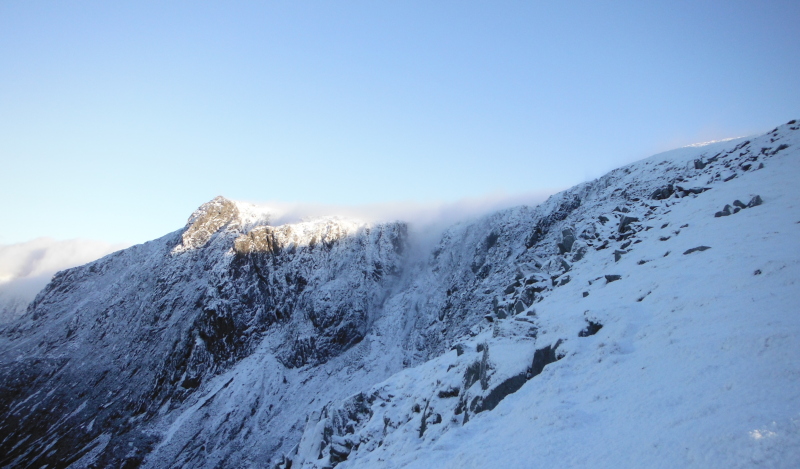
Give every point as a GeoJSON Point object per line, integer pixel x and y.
{"type": "Point", "coordinates": [649, 318]}
{"type": "Point", "coordinates": [697, 363]}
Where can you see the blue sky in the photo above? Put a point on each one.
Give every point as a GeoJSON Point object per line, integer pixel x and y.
{"type": "Point", "coordinates": [118, 119]}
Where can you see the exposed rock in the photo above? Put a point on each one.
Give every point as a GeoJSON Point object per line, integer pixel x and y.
{"type": "Point", "coordinates": [692, 190]}
{"type": "Point", "coordinates": [260, 239]}
{"type": "Point", "coordinates": [580, 252]}
{"type": "Point", "coordinates": [338, 451]}
{"type": "Point", "coordinates": [207, 220]}
{"type": "Point", "coordinates": [663, 192]}
{"type": "Point", "coordinates": [739, 203]}
{"type": "Point", "coordinates": [591, 329]}
{"type": "Point", "coordinates": [509, 386]}
{"type": "Point", "coordinates": [567, 240]}
{"type": "Point", "coordinates": [724, 212]}
{"type": "Point", "coordinates": [541, 358]}
{"type": "Point", "coordinates": [612, 278]}
{"type": "Point", "coordinates": [755, 201]}
{"type": "Point", "coordinates": [624, 223]}
{"type": "Point", "coordinates": [618, 255]}
{"type": "Point", "coordinates": [543, 225]}
{"type": "Point", "coordinates": [447, 393]}
{"type": "Point", "coordinates": [698, 248]}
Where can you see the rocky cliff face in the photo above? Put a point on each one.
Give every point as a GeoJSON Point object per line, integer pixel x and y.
{"type": "Point", "coordinates": [235, 343]}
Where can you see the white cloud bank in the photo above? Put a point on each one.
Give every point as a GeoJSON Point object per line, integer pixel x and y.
{"type": "Point", "coordinates": [25, 268]}
{"type": "Point", "coordinates": [427, 220]}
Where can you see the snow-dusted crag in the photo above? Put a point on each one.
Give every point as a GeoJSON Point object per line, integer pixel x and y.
{"type": "Point", "coordinates": [645, 318]}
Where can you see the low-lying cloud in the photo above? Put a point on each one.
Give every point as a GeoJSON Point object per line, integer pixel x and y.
{"type": "Point", "coordinates": [25, 268]}
{"type": "Point", "coordinates": [424, 218]}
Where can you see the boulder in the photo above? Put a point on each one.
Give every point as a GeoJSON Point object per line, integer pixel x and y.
{"type": "Point", "coordinates": [591, 329]}
{"type": "Point", "coordinates": [624, 223]}
{"type": "Point", "coordinates": [724, 212]}
{"type": "Point", "coordinates": [755, 202]}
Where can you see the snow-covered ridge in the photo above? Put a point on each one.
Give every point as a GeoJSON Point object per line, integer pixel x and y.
{"type": "Point", "coordinates": [252, 224]}
{"type": "Point", "coordinates": [642, 319]}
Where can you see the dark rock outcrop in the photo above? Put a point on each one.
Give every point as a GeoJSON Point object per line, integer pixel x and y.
{"type": "Point", "coordinates": [697, 249]}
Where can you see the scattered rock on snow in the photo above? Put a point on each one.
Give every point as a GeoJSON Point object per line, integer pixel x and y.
{"type": "Point", "coordinates": [698, 248]}
{"type": "Point", "coordinates": [612, 278]}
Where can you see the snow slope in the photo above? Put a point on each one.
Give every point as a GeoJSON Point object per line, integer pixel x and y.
{"type": "Point", "coordinates": [585, 331]}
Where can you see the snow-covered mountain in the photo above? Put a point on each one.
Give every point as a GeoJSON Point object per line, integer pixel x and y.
{"type": "Point", "coordinates": [26, 268]}
{"type": "Point", "coordinates": [647, 318]}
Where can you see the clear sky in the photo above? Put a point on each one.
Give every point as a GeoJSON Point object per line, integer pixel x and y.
{"type": "Point", "coordinates": [118, 119]}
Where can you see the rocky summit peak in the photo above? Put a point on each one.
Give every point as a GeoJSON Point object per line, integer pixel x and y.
{"type": "Point", "coordinates": [207, 220]}
{"type": "Point", "coordinates": [250, 224]}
